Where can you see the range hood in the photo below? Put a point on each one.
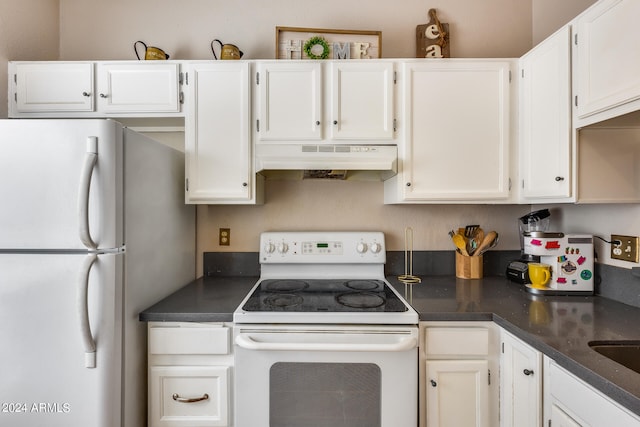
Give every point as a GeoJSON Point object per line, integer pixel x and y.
{"type": "Point", "coordinates": [339, 161]}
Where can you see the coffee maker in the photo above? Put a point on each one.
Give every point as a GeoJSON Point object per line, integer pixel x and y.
{"type": "Point", "coordinates": [517, 270]}
{"type": "Point", "coordinates": [569, 255]}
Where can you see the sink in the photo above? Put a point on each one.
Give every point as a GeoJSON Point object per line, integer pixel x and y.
{"type": "Point", "coordinates": [626, 353]}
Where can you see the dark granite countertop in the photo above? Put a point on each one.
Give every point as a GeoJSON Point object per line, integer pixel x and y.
{"type": "Point", "coordinates": [560, 327]}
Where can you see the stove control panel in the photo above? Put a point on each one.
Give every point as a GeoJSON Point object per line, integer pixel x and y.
{"type": "Point", "coordinates": [322, 247]}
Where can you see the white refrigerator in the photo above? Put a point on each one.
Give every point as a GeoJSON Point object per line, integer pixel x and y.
{"type": "Point", "coordinates": [93, 229]}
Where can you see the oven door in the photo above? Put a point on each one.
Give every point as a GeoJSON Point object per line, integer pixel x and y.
{"type": "Point", "coordinates": [319, 375]}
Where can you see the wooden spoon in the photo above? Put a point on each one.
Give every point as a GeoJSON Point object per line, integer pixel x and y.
{"type": "Point", "coordinates": [486, 242]}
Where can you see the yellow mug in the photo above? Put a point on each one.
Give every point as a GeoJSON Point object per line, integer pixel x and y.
{"type": "Point", "coordinates": [539, 274]}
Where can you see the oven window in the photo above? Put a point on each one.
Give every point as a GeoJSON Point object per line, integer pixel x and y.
{"type": "Point", "coordinates": [324, 395]}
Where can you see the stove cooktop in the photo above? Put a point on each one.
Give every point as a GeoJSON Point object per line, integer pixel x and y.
{"type": "Point", "coordinates": [323, 295]}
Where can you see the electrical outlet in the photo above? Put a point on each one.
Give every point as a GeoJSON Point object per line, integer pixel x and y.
{"type": "Point", "coordinates": [624, 248]}
{"type": "Point", "coordinates": [224, 237]}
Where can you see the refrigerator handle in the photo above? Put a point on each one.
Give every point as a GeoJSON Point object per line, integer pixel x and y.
{"type": "Point", "coordinates": [90, 160]}
{"type": "Point", "coordinates": [83, 311]}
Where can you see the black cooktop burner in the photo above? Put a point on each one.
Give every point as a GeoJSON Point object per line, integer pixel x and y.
{"type": "Point", "coordinates": [323, 295]}
{"type": "Point", "coordinates": [360, 300]}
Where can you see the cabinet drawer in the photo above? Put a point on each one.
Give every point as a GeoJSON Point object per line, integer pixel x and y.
{"type": "Point", "coordinates": [456, 342]}
{"type": "Point", "coordinates": [189, 396]}
{"type": "Point", "coordinates": [189, 340]}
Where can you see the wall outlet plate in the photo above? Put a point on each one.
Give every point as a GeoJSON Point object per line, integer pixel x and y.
{"type": "Point", "coordinates": [624, 248]}
{"type": "Point", "coordinates": [224, 237]}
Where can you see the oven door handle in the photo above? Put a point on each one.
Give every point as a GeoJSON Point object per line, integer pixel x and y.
{"type": "Point", "coordinates": [248, 343]}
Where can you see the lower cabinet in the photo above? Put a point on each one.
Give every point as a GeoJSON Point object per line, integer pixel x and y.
{"type": "Point", "coordinates": [458, 374]}
{"type": "Point", "coordinates": [190, 368]}
{"type": "Point", "coordinates": [569, 401]}
{"type": "Point", "coordinates": [521, 384]}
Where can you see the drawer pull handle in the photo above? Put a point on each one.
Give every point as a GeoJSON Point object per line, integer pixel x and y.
{"type": "Point", "coordinates": [527, 372]}
{"type": "Point", "coordinates": [177, 398]}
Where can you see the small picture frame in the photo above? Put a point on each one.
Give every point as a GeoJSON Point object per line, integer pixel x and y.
{"type": "Point", "coordinates": [319, 43]}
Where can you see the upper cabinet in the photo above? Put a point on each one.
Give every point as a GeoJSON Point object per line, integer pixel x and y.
{"type": "Point", "coordinates": [219, 161]}
{"type": "Point", "coordinates": [545, 120]}
{"type": "Point", "coordinates": [89, 89]}
{"type": "Point", "coordinates": [608, 60]}
{"type": "Point", "coordinates": [456, 124]}
{"type": "Point", "coordinates": [335, 101]}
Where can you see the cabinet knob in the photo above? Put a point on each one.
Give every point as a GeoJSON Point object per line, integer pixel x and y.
{"type": "Point", "coordinates": [102, 95]}
{"type": "Point", "coordinates": [559, 178]}
{"type": "Point", "coordinates": [244, 184]}
{"type": "Point", "coordinates": [433, 383]}
{"type": "Point", "coordinates": [408, 184]}
{"type": "Point", "coordinates": [87, 94]}
{"type": "Point", "coordinates": [335, 122]}
{"type": "Point", "coordinates": [527, 372]}
{"type": "Point", "coordinates": [177, 398]}
{"type": "Point", "coordinates": [317, 122]}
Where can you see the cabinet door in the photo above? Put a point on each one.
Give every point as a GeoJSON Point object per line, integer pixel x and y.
{"type": "Point", "coordinates": [290, 101]}
{"type": "Point", "coordinates": [608, 56]}
{"type": "Point", "coordinates": [559, 418]}
{"type": "Point", "coordinates": [362, 100]}
{"type": "Point", "coordinates": [53, 86]}
{"type": "Point", "coordinates": [217, 143]}
{"type": "Point", "coordinates": [545, 118]}
{"type": "Point", "coordinates": [521, 390]}
{"type": "Point", "coordinates": [457, 393]}
{"type": "Point", "coordinates": [457, 121]}
{"type": "Point", "coordinates": [189, 396]}
{"type": "Point", "coordinates": [138, 87]}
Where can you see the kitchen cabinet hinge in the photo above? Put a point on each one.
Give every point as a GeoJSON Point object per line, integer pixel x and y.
{"type": "Point", "coordinates": [489, 377]}
{"type": "Point", "coordinates": [181, 78]}
{"type": "Point", "coordinates": [509, 76]}
{"type": "Point", "coordinates": [395, 77]}
{"type": "Point", "coordinates": [395, 125]}
{"type": "Point", "coordinates": [186, 184]}
{"type": "Point", "coordinates": [258, 125]}
{"type": "Point", "coordinates": [509, 184]}
{"type": "Point", "coordinates": [181, 97]}
{"type": "Point", "coordinates": [257, 78]}
{"type": "Point", "coordinates": [575, 39]}
{"type": "Point", "coordinates": [15, 78]}
{"type": "Point", "coordinates": [186, 79]}
{"type": "Point", "coordinates": [15, 96]}
{"type": "Point", "coordinates": [576, 100]}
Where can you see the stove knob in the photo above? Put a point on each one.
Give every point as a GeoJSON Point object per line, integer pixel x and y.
{"type": "Point", "coordinates": [361, 248]}
{"type": "Point", "coordinates": [375, 247]}
{"type": "Point", "coordinates": [269, 248]}
{"type": "Point", "coordinates": [283, 248]}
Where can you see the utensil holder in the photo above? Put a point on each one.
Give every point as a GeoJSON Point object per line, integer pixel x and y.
{"type": "Point", "coordinates": [468, 267]}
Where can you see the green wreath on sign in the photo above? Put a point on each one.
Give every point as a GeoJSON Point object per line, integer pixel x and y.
{"type": "Point", "coordinates": [312, 43]}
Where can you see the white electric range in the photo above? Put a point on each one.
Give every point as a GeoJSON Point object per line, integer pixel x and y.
{"type": "Point", "coordinates": [323, 338]}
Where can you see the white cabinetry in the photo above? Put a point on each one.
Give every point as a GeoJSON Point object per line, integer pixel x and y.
{"type": "Point", "coordinates": [521, 384]}
{"type": "Point", "coordinates": [219, 165]}
{"type": "Point", "coordinates": [334, 101]}
{"type": "Point", "coordinates": [457, 360]}
{"type": "Point", "coordinates": [40, 87]}
{"type": "Point", "coordinates": [571, 402]}
{"type": "Point", "coordinates": [545, 120]}
{"type": "Point", "coordinates": [94, 89]}
{"type": "Point", "coordinates": [608, 59]}
{"type": "Point", "coordinates": [189, 375]}
{"type": "Point", "coordinates": [456, 132]}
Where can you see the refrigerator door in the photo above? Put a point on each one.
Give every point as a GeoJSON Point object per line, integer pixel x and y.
{"type": "Point", "coordinates": [46, 167]}
{"type": "Point", "coordinates": [44, 379]}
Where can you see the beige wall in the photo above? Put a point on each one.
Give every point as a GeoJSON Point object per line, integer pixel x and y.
{"type": "Point", "coordinates": [98, 29]}
{"type": "Point", "coordinates": [28, 31]}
